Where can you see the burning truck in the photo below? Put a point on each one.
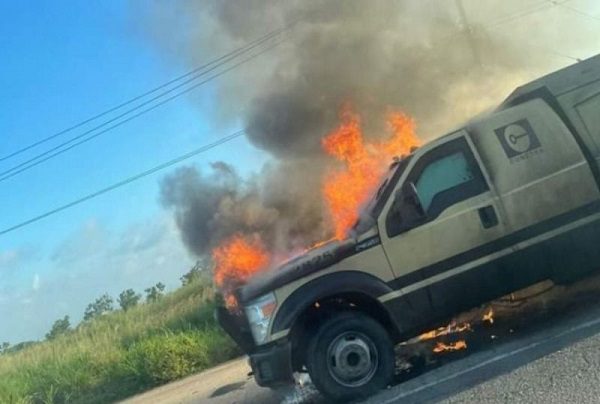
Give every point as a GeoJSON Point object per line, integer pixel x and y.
{"type": "Point", "coordinates": [508, 200]}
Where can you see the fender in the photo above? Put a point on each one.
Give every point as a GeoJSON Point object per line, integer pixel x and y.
{"type": "Point", "coordinates": [322, 287]}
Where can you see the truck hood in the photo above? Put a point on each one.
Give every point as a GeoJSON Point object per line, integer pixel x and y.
{"type": "Point", "coordinates": [303, 265]}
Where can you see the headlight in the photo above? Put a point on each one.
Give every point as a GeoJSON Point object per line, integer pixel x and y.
{"type": "Point", "coordinates": [259, 313]}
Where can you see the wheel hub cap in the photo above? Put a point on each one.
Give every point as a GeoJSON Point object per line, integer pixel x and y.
{"type": "Point", "coordinates": [352, 359]}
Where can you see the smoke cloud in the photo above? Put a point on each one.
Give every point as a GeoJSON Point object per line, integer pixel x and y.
{"type": "Point", "coordinates": [377, 55]}
{"type": "Point", "coordinates": [214, 206]}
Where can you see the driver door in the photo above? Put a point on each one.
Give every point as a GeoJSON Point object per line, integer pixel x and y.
{"type": "Point", "coordinates": [436, 229]}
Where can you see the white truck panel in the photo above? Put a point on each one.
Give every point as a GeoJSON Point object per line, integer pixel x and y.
{"type": "Point", "coordinates": [535, 164]}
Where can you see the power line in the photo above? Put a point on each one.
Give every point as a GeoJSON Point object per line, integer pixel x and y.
{"type": "Point", "coordinates": [469, 32]}
{"type": "Point", "coordinates": [552, 51]}
{"type": "Point", "coordinates": [116, 118]}
{"type": "Point", "coordinates": [126, 181]}
{"type": "Point", "coordinates": [60, 149]}
{"type": "Point", "coordinates": [575, 10]}
{"type": "Point", "coordinates": [547, 4]}
{"type": "Point", "coordinates": [226, 57]}
{"type": "Point", "coordinates": [531, 9]}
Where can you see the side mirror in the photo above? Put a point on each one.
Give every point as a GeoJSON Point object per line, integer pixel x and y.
{"type": "Point", "coordinates": [407, 211]}
{"type": "Point", "coordinates": [411, 201]}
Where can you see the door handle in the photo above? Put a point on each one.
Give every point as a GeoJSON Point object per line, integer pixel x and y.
{"type": "Point", "coordinates": [488, 216]}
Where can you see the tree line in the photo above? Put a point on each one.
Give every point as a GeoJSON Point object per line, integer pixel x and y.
{"type": "Point", "coordinates": [105, 304]}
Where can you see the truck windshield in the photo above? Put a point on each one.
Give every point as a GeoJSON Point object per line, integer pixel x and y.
{"type": "Point", "coordinates": [369, 213]}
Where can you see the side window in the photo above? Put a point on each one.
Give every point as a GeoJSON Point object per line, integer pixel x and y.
{"type": "Point", "coordinates": [441, 175]}
{"type": "Point", "coordinates": [441, 178]}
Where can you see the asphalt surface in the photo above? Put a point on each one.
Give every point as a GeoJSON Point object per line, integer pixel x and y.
{"type": "Point", "coordinates": [542, 349]}
{"type": "Point", "coordinates": [554, 362]}
{"type": "Point", "coordinates": [571, 375]}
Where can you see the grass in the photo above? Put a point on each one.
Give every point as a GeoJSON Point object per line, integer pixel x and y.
{"type": "Point", "coordinates": [120, 354]}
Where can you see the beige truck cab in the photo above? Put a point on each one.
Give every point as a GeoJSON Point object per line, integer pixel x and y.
{"type": "Point", "coordinates": [508, 200]}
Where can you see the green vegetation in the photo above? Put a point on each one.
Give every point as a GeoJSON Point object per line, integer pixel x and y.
{"type": "Point", "coordinates": [128, 299]}
{"type": "Point", "coordinates": [119, 353]}
{"type": "Point", "coordinates": [101, 306]}
{"type": "Point", "coordinates": [4, 347]}
{"type": "Point", "coordinates": [60, 327]}
{"type": "Point", "coordinates": [194, 274]}
{"type": "Point", "coordinates": [155, 292]}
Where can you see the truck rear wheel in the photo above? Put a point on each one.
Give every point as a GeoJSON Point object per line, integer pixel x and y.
{"type": "Point", "coordinates": [351, 356]}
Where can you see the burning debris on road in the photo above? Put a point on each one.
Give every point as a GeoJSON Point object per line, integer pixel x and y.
{"type": "Point", "coordinates": [489, 316]}
{"type": "Point", "coordinates": [455, 346]}
{"type": "Point", "coordinates": [452, 328]}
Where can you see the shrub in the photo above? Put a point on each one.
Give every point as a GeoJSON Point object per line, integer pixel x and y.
{"type": "Point", "coordinates": [121, 353]}
{"type": "Point", "coordinates": [166, 357]}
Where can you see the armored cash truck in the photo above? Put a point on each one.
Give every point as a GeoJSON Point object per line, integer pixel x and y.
{"type": "Point", "coordinates": [508, 200]}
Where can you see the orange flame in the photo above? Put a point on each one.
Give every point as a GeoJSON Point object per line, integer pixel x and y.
{"type": "Point", "coordinates": [456, 346]}
{"type": "Point", "coordinates": [451, 328]}
{"type": "Point", "coordinates": [236, 260]}
{"type": "Point", "coordinates": [489, 316]}
{"type": "Point", "coordinates": [345, 191]}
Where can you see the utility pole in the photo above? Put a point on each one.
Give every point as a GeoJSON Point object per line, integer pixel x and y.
{"type": "Point", "coordinates": [469, 32]}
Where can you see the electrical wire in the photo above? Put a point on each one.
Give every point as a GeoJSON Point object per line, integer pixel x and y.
{"type": "Point", "coordinates": [114, 119]}
{"type": "Point", "coordinates": [548, 4]}
{"type": "Point", "coordinates": [56, 151]}
{"type": "Point", "coordinates": [126, 181]}
{"type": "Point", "coordinates": [533, 9]}
{"type": "Point", "coordinates": [530, 10]}
{"type": "Point", "coordinates": [575, 10]}
{"type": "Point", "coordinates": [194, 72]}
{"type": "Point", "coordinates": [8, 174]}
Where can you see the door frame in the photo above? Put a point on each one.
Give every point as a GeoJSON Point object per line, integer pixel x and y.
{"type": "Point", "coordinates": [416, 286]}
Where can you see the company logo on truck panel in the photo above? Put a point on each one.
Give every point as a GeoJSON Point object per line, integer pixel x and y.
{"type": "Point", "coordinates": [518, 140]}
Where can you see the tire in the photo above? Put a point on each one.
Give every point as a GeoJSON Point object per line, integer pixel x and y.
{"type": "Point", "coordinates": [364, 348]}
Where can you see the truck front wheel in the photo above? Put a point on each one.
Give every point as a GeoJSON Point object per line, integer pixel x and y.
{"type": "Point", "coordinates": [351, 356]}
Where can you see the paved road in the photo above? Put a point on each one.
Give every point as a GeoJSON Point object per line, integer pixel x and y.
{"type": "Point", "coordinates": [571, 375]}
{"type": "Point", "coordinates": [546, 349]}
{"type": "Point", "coordinates": [224, 384]}
{"type": "Point", "coordinates": [558, 363]}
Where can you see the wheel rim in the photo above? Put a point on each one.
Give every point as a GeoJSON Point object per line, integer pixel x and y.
{"type": "Point", "coordinates": [352, 359]}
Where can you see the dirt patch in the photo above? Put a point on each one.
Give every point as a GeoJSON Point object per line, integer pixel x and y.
{"type": "Point", "coordinates": [227, 389]}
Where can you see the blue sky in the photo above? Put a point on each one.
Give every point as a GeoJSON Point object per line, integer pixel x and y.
{"type": "Point", "coordinates": [63, 61]}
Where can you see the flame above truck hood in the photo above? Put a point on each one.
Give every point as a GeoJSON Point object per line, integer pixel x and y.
{"type": "Point", "coordinates": [303, 265]}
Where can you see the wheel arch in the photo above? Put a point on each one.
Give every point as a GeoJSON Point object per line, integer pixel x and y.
{"type": "Point", "coordinates": [318, 299]}
{"type": "Point", "coordinates": [337, 283]}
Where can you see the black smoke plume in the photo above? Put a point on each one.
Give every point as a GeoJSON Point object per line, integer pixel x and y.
{"type": "Point", "coordinates": [415, 56]}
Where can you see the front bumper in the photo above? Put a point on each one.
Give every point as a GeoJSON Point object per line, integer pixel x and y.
{"type": "Point", "coordinates": [272, 365]}
{"type": "Point", "coordinates": [237, 327]}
